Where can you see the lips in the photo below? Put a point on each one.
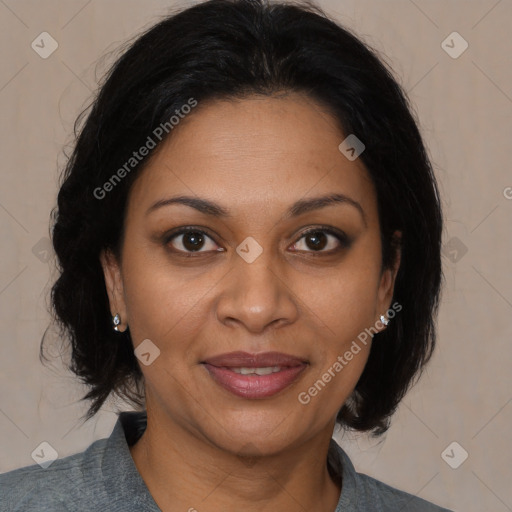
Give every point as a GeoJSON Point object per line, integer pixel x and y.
{"type": "Point", "coordinates": [236, 372]}
{"type": "Point", "coordinates": [262, 360]}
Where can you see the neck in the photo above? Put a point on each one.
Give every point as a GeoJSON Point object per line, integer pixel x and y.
{"type": "Point", "coordinates": [185, 471]}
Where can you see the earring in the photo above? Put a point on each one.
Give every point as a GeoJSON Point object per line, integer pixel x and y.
{"type": "Point", "coordinates": [116, 320]}
{"type": "Point", "coordinates": [384, 320]}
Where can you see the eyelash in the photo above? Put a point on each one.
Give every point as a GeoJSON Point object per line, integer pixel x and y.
{"type": "Point", "coordinates": [342, 238]}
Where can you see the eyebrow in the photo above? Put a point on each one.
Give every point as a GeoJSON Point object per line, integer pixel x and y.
{"type": "Point", "coordinates": [298, 208]}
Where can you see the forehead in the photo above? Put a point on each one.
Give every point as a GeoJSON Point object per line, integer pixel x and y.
{"type": "Point", "coordinates": [254, 152]}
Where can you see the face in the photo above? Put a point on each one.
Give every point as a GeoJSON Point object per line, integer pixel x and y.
{"type": "Point", "coordinates": [264, 269]}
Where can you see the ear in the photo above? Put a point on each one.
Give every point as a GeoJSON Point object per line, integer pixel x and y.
{"type": "Point", "coordinates": [388, 278]}
{"type": "Point", "coordinates": [115, 288]}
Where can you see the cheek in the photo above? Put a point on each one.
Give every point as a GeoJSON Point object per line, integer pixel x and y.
{"type": "Point", "coordinates": [162, 305]}
{"type": "Point", "coordinates": [345, 301]}
{"type": "Point", "coordinates": [343, 308]}
{"type": "Point", "coordinates": [165, 311]}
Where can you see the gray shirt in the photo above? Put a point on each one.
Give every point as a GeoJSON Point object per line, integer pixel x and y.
{"type": "Point", "coordinates": [105, 478]}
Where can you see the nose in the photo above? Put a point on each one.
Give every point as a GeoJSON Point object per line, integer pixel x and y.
{"type": "Point", "coordinates": [256, 295]}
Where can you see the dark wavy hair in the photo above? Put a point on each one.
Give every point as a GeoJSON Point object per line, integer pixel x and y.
{"type": "Point", "coordinates": [225, 49]}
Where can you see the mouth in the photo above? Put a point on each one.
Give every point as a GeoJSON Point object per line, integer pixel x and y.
{"type": "Point", "coordinates": [254, 376]}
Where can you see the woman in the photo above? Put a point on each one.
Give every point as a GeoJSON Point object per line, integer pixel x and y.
{"type": "Point", "coordinates": [249, 239]}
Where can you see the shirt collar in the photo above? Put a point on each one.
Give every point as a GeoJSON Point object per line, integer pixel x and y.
{"type": "Point", "coordinates": [123, 482]}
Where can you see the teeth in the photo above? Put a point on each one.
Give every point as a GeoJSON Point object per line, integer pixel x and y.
{"type": "Point", "coordinates": [258, 371]}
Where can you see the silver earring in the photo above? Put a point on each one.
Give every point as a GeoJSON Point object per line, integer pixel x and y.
{"type": "Point", "coordinates": [384, 320]}
{"type": "Point", "coordinates": [116, 320]}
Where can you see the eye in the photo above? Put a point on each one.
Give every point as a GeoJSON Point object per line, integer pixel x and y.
{"type": "Point", "coordinates": [322, 240]}
{"type": "Point", "coordinates": [190, 240]}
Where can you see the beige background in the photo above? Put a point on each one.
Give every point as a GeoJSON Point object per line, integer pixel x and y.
{"type": "Point", "coordinates": [465, 110]}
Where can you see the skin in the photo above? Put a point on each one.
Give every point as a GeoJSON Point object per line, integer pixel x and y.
{"type": "Point", "coordinates": [255, 157]}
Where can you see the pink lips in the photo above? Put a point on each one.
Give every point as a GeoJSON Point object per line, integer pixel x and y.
{"type": "Point", "coordinates": [254, 386]}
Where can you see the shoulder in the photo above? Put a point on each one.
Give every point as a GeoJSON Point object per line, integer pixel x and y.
{"type": "Point", "coordinates": [64, 485]}
{"type": "Point", "coordinates": [103, 477]}
{"type": "Point", "coordinates": [383, 497]}
{"type": "Point", "coordinates": [361, 492]}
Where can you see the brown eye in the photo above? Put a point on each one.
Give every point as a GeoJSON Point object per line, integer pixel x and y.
{"type": "Point", "coordinates": [321, 240]}
{"type": "Point", "coordinates": [316, 240]}
{"type": "Point", "coordinates": [191, 240]}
